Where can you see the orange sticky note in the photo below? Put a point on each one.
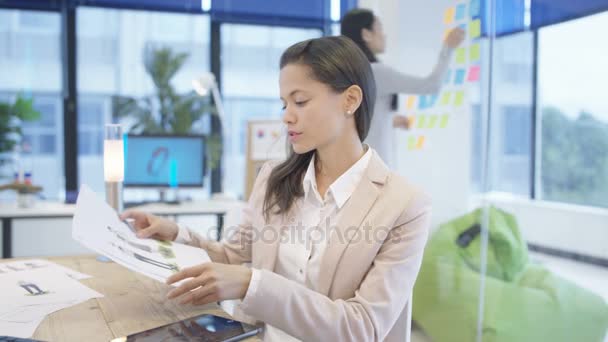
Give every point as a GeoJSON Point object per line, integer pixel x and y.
{"type": "Point", "coordinates": [444, 121]}
{"type": "Point", "coordinates": [411, 120]}
{"type": "Point", "coordinates": [432, 121]}
{"type": "Point", "coordinates": [420, 143]}
{"type": "Point", "coordinates": [446, 33]}
{"type": "Point", "coordinates": [410, 102]}
{"type": "Point", "coordinates": [411, 142]}
{"type": "Point", "coordinates": [448, 17]}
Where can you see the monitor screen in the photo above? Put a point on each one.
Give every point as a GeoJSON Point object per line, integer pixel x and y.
{"type": "Point", "coordinates": [164, 161]}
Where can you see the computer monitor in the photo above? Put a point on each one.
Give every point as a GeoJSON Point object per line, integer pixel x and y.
{"type": "Point", "coordinates": [164, 161]}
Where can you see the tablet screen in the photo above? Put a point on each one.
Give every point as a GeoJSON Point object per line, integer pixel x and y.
{"type": "Point", "coordinates": [202, 328]}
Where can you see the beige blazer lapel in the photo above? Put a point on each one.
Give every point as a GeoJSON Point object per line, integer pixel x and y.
{"type": "Point", "coordinates": [270, 236]}
{"type": "Point", "coordinates": [349, 223]}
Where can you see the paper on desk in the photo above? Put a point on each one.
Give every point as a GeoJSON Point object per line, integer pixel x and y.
{"type": "Point", "coordinates": [30, 264]}
{"type": "Point", "coordinates": [97, 226]}
{"type": "Point", "coordinates": [22, 330]}
{"type": "Point", "coordinates": [28, 296]}
{"type": "Point", "coordinates": [40, 286]}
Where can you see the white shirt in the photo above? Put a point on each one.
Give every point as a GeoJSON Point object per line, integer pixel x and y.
{"type": "Point", "coordinates": [302, 245]}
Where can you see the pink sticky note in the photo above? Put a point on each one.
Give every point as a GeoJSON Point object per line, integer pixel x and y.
{"type": "Point", "coordinates": [473, 73]}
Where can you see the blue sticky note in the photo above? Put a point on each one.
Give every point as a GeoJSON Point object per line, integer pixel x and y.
{"type": "Point", "coordinates": [463, 27]}
{"type": "Point", "coordinates": [448, 77]}
{"type": "Point", "coordinates": [460, 11]}
{"type": "Point", "coordinates": [432, 100]}
{"type": "Point", "coordinates": [474, 8]}
{"type": "Point", "coordinates": [459, 77]}
{"type": "Point", "coordinates": [422, 102]}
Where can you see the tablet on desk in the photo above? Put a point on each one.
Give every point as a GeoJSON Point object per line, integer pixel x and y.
{"type": "Point", "coordinates": [201, 328]}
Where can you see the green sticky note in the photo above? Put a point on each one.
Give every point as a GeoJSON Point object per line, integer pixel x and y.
{"type": "Point", "coordinates": [461, 56]}
{"type": "Point", "coordinates": [445, 98]}
{"type": "Point", "coordinates": [444, 121]}
{"type": "Point", "coordinates": [411, 142]}
{"type": "Point", "coordinates": [475, 29]}
{"type": "Point", "coordinates": [474, 52]}
{"type": "Point", "coordinates": [432, 121]}
{"type": "Point", "coordinates": [458, 98]}
{"type": "Point", "coordinates": [421, 121]}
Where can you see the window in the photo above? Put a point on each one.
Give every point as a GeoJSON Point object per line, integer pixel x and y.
{"type": "Point", "coordinates": [511, 117]}
{"type": "Point", "coordinates": [573, 112]}
{"type": "Point", "coordinates": [112, 47]}
{"type": "Point", "coordinates": [29, 48]}
{"type": "Point", "coordinates": [250, 82]}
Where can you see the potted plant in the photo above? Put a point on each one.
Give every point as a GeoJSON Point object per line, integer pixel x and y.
{"type": "Point", "coordinates": [166, 111]}
{"type": "Point", "coordinates": [11, 117]}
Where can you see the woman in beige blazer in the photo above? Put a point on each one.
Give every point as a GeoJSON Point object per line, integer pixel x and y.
{"type": "Point", "coordinates": [334, 238]}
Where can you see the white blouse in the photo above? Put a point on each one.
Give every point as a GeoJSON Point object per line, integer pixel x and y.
{"type": "Point", "coordinates": [301, 248]}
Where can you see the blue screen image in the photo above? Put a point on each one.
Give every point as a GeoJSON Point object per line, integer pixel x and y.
{"type": "Point", "coordinates": [161, 161]}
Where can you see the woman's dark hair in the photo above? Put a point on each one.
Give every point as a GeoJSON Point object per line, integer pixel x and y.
{"type": "Point", "coordinates": [338, 63]}
{"type": "Point", "coordinates": [352, 23]}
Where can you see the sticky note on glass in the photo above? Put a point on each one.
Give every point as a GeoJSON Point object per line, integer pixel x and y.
{"type": "Point", "coordinates": [410, 102]}
{"type": "Point", "coordinates": [421, 121]}
{"type": "Point", "coordinates": [475, 29]}
{"type": "Point", "coordinates": [474, 8]}
{"type": "Point", "coordinates": [420, 143]}
{"type": "Point", "coordinates": [459, 77]}
{"type": "Point", "coordinates": [448, 17]}
{"type": "Point", "coordinates": [411, 121]}
{"type": "Point", "coordinates": [458, 98]}
{"type": "Point", "coordinates": [474, 52]}
{"type": "Point", "coordinates": [444, 121]}
{"type": "Point", "coordinates": [421, 102]}
{"type": "Point", "coordinates": [445, 98]}
{"type": "Point", "coordinates": [411, 142]}
{"type": "Point", "coordinates": [431, 100]}
{"type": "Point", "coordinates": [461, 11]}
{"type": "Point", "coordinates": [461, 56]}
{"type": "Point", "coordinates": [432, 121]}
{"type": "Point", "coordinates": [473, 73]}
{"type": "Point", "coordinates": [448, 77]}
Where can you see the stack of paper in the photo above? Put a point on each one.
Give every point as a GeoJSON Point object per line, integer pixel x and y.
{"type": "Point", "coordinates": [97, 226]}
{"type": "Point", "coordinates": [32, 289]}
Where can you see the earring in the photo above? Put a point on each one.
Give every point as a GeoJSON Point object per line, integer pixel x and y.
{"type": "Point", "coordinates": [348, 112]}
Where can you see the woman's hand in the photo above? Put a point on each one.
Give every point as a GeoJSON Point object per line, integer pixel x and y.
{"type": "Point", "coordinates": [400, 121]}
{"type": "Point", "coordinates": [151, 226]}
{"type": "Point", "coordinates": [210, 282]}
{"type": "Point", "coordinates": [454, 38]}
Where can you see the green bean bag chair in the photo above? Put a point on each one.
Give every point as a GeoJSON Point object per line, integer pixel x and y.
{"type": "Point", "coordinates": [522, 302]}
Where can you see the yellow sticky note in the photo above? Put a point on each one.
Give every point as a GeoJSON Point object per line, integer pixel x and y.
{"type": "Point", "coordinates": [410, 102]}
{"type": "Point", "coordinates": [411, 142]}
{"type": "Point", "coordinates": [474, 52]}
{"type": "Point", "coordinates": [444, 121]}
{"type": "Point", "coordinates": [421, 121]}
{"type": "Point", "coordinates": [445, 98]}
{"type": "Point", "coordinates": [461, 56]}
{"type": "Point", "coordinates": [432, 121]}
{"type": "Point", "coordinates": [458, 98]}
{"type": "Point", "coordinates": [448, 17]}
{"type": "Point", "coordinates": [420, 143]}
{"type": "Point", "coordinates": [474, 29]}
{"type": "Point", "coordinates": [411, 120]}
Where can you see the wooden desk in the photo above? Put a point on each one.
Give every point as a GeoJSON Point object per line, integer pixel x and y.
{"type": "Point", "coordinates": [132, 303]}
{"type": "Point", "coordinates": [55, 210]}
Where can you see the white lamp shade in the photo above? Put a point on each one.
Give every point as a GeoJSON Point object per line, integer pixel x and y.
{"type": "Point", "coordinates": [203, 84]}
{"type": "Point", "coordinates": [113, 160]}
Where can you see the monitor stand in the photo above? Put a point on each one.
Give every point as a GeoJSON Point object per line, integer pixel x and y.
{"type": "Point", "coordinates": [162, 197]}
